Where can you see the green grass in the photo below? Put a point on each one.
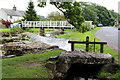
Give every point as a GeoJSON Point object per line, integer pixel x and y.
{"type": "Point", "coordinates": [77, 36]}
{"type": "Point", "coordinates": [21, 67]}
{"type": "Point", "coordinates": [9, 29]}
{"type": "Point", "coordinates": [5, 30]}
{"type": "Point", "coordinates": [36, 30]}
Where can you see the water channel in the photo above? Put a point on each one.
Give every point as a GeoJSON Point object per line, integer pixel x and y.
{"type": "Point", "coordinates": [62, 43]}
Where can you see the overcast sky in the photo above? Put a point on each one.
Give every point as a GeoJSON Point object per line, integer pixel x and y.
{"type": "Point", "coordinates": [22, 5]}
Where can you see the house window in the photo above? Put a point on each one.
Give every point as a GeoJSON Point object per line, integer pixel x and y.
{"type": "Point", "coordinates": [10, 17]}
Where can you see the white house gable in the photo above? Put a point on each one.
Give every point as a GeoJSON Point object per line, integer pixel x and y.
{"type": "Point", "coordinates": [11, 14]}
{"type": "Point", "coordinates": [3, 14]}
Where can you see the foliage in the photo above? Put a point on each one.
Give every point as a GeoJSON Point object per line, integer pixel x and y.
{"type": "Point", "coordinates": [104, 16]}
{"type": "Point", "coordinates": [42, 18]}
{"type": "Point", "coordinates": [56, 16]}
{"type": "Point", "coordinates": [6, 23]}
{"type": "Point", "coordinates": [84, 27]}
{"type": "Point", "coordinates": [116, 17]}
{"type": "Point", "coordinates": [30, 14]}
{"type": "Point", "coordinates": [1, 19]}
{"type": "Point", "coordinates": [17, 21]}
{"type": "Point", "coordinates": [98, 14]}
{"type": "Point", "coordinates": [89, 12]}
{"type": "Point", "coordinates": [21, 67]}
{"type": "Point", "coordinates": [116, 75]}
{"type": "Point", "coordinates": [77, 36]}
{"type": "Point", "coordinates": [71, 10]}
{"type": "Point", "coordinates": [103, 74]}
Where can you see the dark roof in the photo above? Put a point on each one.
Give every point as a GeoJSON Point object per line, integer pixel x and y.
{"type": "Point", "coordinates": [12, 12]}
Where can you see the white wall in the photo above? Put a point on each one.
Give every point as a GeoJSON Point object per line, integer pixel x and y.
{"type": "Point", "coordinates": [15, 18]}
{"type": "Point", "coordinates": [3, 15]}
{"type": "Point", "coordinates": [90, 23]}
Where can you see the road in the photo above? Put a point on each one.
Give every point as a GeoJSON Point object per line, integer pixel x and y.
{"type": "Point", "coordinates": [111, 35]}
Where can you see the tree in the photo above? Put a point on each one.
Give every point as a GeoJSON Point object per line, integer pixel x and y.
{"type": "Point", "coordinates": [71, 10]}
{"type": "Point", "coordinates": [104, 16]}
{"type": "Point", "coordinates": [30, 14]}
{"type": "Point", "coordinates": [56, 16]}
{"type": "Point", "coordinates": [98, 14]}
{"type": "Point", "coordinates": [116, 16]}
{"type": "Point", "coordinates": [89, 12]}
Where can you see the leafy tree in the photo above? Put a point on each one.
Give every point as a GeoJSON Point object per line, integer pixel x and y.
{"type": "Point", "coordinates": [56, 16]}
{"type": "Point", "coordinates": [98, 14]}
{"type": "Point", "coordinates": [104, 16]}
{"type": "Point", "coordinates": [30, 14]}
{"type": "Point", "coordinates": [42, 18]}
{"type": "Point", "coordinates": [116, 16]}
{"type": "Point", "coordinates": [71, 10]}
{"type": "Point", "coordinates": [89, 12]}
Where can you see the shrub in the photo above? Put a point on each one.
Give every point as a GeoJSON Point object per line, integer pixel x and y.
{"type": "Point", "coordinates": [84, 27]}
{"type": "Point", "coordinates": [6, 23]}
{"type": "Point", "coordinates": [17, 21]}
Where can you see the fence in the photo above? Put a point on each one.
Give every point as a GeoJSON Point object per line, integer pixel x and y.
{"type": "Point", "coordinates": [87, 42]}
{"type": "Point", "coordinates": [46, 24]}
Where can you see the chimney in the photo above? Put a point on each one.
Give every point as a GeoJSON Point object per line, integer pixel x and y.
{"type": "Point", "coordinates": [14, 8]}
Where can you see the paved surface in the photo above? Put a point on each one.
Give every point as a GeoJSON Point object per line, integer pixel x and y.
{"type": "Point", "coordinates": [109, 34]}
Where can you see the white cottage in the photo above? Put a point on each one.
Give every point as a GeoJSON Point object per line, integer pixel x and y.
{"type": "Point", "coordinates": [11, 14]}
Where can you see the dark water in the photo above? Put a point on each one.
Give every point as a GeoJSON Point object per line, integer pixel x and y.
{"type": "Point", "coordinates": [83, 72]}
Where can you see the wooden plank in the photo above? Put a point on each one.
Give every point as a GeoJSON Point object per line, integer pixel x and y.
{"type": "Point", "coordinates": [84, 42]}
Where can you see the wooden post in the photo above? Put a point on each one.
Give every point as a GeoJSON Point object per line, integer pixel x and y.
{"type": "Point", "coordinates": [101, 48]}
{"type": "Point", "coordinates": [72, 46]}
{"type": "Point", "coordinates": [94, 45]}
{"type": "Point", "coordinates": [62, 31]}
{"type": "Point", "coordinates": [42, 32]}
{"type": "Point", "coordinates": [87, 43]}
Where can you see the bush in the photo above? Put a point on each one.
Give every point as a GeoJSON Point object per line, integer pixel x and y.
{"type": "Point", "coordinates": [6, 23]}
{"type": "Point", "coordinates": [84, 27]}
{"type": "Point", "coordinates": [17, 21]}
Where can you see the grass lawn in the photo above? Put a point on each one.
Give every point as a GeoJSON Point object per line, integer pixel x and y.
{"type": "Point", "coordinates": [5, 30]}
{"type": "Point", "coordinates": [29, 66]}
{"type": "Point", "coordinates": [77, 36]}
{"type": "Point", "coordinates": [9, 29]}
{"type": "Point", "coordinates": [36, 30]}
